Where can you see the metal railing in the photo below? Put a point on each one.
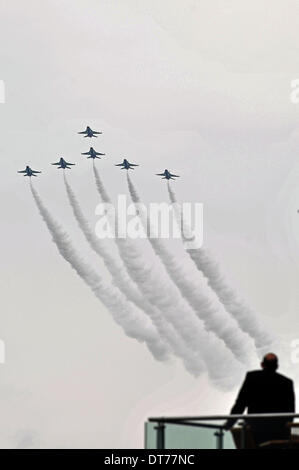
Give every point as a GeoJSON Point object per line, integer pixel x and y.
{"type": "Point", "coordinates": [197, 421]}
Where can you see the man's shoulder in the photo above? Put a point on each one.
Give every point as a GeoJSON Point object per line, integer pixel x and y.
{"type": "Point", "coordinates": [285, 379]}
{"type": "Point", "coordinates": [256, 374]}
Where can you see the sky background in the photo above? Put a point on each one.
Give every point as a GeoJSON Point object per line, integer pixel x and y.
{"type": "Point", "coordinates": [201, 87]}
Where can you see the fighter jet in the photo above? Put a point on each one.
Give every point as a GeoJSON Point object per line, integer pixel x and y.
{"type": "Point", "coordinates": [89, 132]}
{"type": "Point", "coordinates": [167, 175]}
{"type": "Point", "coordinates": [126, 165]}
{"type": "Point", "coordinates": [29, 172]}
{"type": "Point", "coordinates": [63, 164]}
{"type": "Point", "coordinates": [92, 153]}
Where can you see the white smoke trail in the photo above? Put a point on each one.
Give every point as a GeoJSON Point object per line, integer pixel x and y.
{"type": "Point", "coordinates": [245, 316]}
{"type": "Point", "coordinates": [100, 186]}
{"type": "Point", "coordinates": [132, 320]}
{"type": "Point", "coordinates": [191, 359]}
{"type": "Point", "coordinates": [155, 284]}
{"type": "Point", "coordinates": [204, 303]}
{"type": "Point", "coordinates": [115, 267]}
{"type": "Point", "coordinates": [126, 285]}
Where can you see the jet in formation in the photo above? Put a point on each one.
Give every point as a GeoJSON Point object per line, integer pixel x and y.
{"type": "Point", "coordinates": [89, 132]}
{"type": "Point", "coordinates": [126, 165]}
{"type": "Point", "coordinates": [92, 153]}
{"type": "Point", "coordinates": [29, 172]}
{"type": "Point", "coordinates": [167, 175]}
{"type": "Point", "coordinates": [63, 164]}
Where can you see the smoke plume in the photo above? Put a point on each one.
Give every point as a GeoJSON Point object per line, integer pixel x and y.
{"type": "Point", "coordinates": [132, 320]}
{"type": "Point", "coordinates": [154, 283]}
{"type": "Point", "coordinates": [244, 315]}
{"type": "Point", "coordinates": [125, 283]}
{"type": "Point", "coordinates": [203, 302]}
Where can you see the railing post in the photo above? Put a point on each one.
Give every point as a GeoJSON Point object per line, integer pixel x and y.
{"type": "Point", "coordinates": [243, 435]}
{"type": "Point", "coordinates": [219, 438]}
{"type": "Point", "coordinates": [145, 435]}
{"type": "Point", "coordinates": [160, 435]}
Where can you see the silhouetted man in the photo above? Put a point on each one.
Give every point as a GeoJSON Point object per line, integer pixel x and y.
{"type": "Point", "coordinates": [266, 391]}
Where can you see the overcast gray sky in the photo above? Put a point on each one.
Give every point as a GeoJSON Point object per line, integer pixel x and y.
{"type": "Point", "coordinates": [199, 87]}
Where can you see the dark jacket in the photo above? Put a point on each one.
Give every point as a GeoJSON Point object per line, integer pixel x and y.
{"type": "Point", "coordinates": [265, 391]}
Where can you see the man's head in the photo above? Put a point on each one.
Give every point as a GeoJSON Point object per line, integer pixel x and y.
{"type": "Point", "coordinates": [270, 362]}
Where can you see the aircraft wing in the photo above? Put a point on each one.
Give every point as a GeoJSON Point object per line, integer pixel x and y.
{"type": "Point", "coordinates": [34, 171]}
{"type": "Point", "coordinates": [133, 164]}
{"type": "Point", "coordinates": [85, 153]}
{"type": "Point", "coordinates": [119, 164]}
{"type": "Point", "coordinates": [23, 171]}
{"type": "Point", "coordinates": [83, 132]}
{"type": "Point", "coordinates": [70, 163]}
{"type": "Point", "coordinates": [55, 163]}
{"type": "Point", "coordinates": [176, 176]}
{"type": "Point", "coordinates": [94, 132]}
{"type": "Point", "coordinates": [160, 174]}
